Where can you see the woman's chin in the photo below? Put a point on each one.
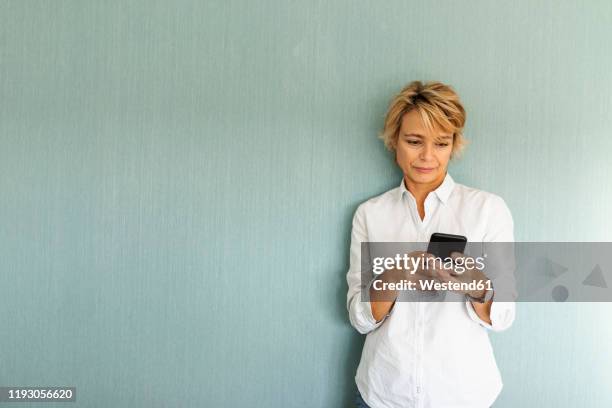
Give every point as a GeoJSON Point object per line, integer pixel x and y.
{"type": "Point", "coordinates": [424, 178]}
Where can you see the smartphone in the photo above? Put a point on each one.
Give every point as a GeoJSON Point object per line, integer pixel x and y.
{"type": "Point", "coordinates": [442, 245]}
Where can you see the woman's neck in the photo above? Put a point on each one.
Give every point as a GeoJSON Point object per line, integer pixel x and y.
{"type": "Point", "coordinates": [420, 191]}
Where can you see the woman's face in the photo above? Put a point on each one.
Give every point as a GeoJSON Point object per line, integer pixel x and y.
{"type": "Point", "coordinates": [423, 156]}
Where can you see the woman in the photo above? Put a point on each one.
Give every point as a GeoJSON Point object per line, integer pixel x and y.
{"type": "Point", "coordinates": [427, 354]}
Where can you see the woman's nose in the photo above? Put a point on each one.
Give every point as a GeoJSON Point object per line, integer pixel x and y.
{"type": "Point", "coordinates": [426, 152]}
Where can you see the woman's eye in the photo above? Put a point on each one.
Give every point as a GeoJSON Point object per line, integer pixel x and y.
{"type": "Point", "coordinates": [442, 144]}
{"type": "Point", "coordinates": [413, 142]}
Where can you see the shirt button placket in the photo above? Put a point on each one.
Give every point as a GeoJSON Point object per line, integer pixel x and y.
{"type": "Point", "coordinates": [419, 353]}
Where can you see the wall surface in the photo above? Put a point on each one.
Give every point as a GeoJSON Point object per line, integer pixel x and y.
{"type": "Point", "coordinates": [178, 180]}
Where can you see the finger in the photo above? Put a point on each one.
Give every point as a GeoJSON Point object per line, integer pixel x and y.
{"type": "Point", "coordinates": [456, 255]}
{"type": "Point", "coordinates": [443, 275]}
{"type": "Point", "coordinates": [459, 259]}
{"type": "Point", "coordinates": [428, 256]}
{"type": "Point", "coordinates": [426, 267]}
{"type": "Point", "coordinates": [421, 277]}
{"type": "Point", "coordinates": [441, 265]}
{"type": "Point", "coordinates": [434, 263]}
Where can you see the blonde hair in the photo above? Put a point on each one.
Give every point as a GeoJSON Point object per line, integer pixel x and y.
{"type": "Point", "coordinates": [439, 107]}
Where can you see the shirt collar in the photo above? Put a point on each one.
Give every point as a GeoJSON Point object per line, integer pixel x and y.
{"type": "Point", "coordinates": [443, 191]}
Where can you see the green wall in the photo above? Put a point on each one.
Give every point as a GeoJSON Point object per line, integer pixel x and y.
{"type": "Point", "coordinates": [178, 180]}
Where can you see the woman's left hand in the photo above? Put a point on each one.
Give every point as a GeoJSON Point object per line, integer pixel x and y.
{"type": "Point", "coordinates": [464, 271]}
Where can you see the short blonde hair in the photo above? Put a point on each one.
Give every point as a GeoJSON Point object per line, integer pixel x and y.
{"type": "Point", "coordinates": [439, 107]}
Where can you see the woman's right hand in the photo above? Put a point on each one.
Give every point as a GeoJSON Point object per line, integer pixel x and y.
{"type": "Point", "coordinates": [382, 301]}
{"type": "Point", "coordinates": [416, 275]}
{"type": "Point", "coordinates": [425, 271]}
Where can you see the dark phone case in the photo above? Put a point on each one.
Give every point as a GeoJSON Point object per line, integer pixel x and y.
{"type": "Point", "coordinates": [442, 245]}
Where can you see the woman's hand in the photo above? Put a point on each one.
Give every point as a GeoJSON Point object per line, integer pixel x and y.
{"type": "Point", "coordinates": [469, 274]}
{"type": "Point", "coordinates": [382, 301]}
{"type": "Point", "coordinates": [422, 274]}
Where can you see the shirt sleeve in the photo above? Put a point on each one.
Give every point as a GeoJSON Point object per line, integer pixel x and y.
{"type": "Point", "coordinates": [360, 312]}
{"type": "Point", "coordinates": [500, 230]}
{"type": "Point", "coordinates": [502, 315]}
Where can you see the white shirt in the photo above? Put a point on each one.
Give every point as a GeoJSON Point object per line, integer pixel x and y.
{"type": "Point", "coordinates": [428, 354]}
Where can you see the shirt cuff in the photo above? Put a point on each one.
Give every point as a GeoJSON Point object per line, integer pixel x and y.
{"type": "Point", "coordinates": [367, 308]}
{"type": "Point", "coordinates": [502, 315]}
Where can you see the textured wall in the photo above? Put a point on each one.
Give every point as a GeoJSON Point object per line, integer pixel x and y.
{"type": "Point", "coordinates": [178, 180]}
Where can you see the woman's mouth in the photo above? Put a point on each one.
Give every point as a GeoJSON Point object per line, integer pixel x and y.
{"type": "Point", "coordinates": [424, 170]}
